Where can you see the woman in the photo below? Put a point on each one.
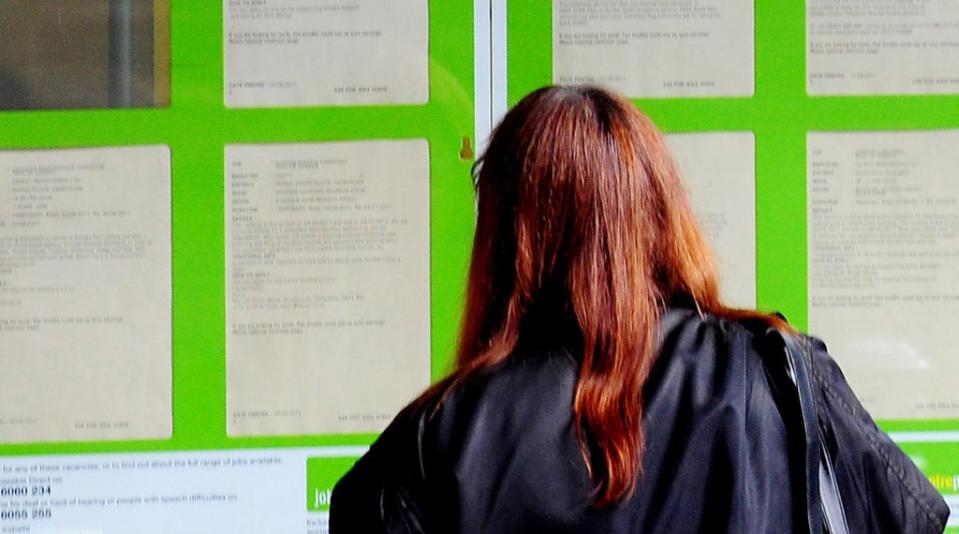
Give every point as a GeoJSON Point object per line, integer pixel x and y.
{"type": "Point", "coordinates": [601, 385]}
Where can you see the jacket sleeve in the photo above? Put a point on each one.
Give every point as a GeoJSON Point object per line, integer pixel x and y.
{"type": "Point", "coordinates": [882, 490]}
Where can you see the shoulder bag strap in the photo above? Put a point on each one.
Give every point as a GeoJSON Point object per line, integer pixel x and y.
{"type": "Point", "coordinates": [821, 486]}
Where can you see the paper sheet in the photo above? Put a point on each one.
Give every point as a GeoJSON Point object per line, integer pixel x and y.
{"type": "Point", "coordinates": [328, 295]}
{"type": "Point", "coordinates": [85, 332]}
{"type": "Point", "coordinates": [655, 48]}
{"type": "Point", "coordinates": [884, 265]}
{"type": "Point", "coordinates": [325, 52]}
{"type": "Point", "coordinates": [867, 47]}
{"type": "Point", "coordinates": [719, 170]}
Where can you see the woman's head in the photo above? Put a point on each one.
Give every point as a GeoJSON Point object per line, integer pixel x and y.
{"type": "Point", "coordinates": [582, 217]}
{"type": "Point", "coordinates": [577, 194]}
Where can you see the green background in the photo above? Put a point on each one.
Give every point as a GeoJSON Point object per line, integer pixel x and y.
{"type": "Point", "coordinates": [196, 127]}
{"type": "Point", "coordinates": [780, 113]}
{"type": "Point", "coordinates": [322, 473]}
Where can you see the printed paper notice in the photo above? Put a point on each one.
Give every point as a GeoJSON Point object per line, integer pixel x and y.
{"type": "Point", "coordinates": [328, 324]}
{"type": "Point", "coordinates": [85, 333]}
{"type": "Point", "coordinates": [870, 47]}
{"type": "Point", "coordinates": [719, 170]}
{"type": "Point", "coordinates": [655, 48]}
{"type": "Point", "coordinates": [252, 491]}
{"type": "Point", "coordinates": [884, 265]}
{"type": "Point", "coordinates": [325, 52]}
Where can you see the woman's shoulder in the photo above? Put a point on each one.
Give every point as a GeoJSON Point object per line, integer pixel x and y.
{"type": "Point", "coordinates": [436, 463]}
{"type": "Point", "coordinates": [534, 373]}
{"type": "Point", "coordinates": [535, 385]}
{"type": "Point", "coordinates": [504, 440]}
{"type": "Point", "coordinates": [533, 389]}
{"type": "Point", "coordinates": [693, 335]}
{"type": "Point", "coordinates": [498, 412]}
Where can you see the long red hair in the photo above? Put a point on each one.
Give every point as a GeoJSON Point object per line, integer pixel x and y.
{"type": "Point", "coordinates": [583, 219]}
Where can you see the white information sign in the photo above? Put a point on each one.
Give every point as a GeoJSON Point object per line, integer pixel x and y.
{"type": "Point", "coordinates": [85, 294]}
{"type": "Point", "coordinates": [656, 48]}
{"type": "Point", "coordinates": [210, 492]}
{"type": "Point", "coordinates": [868, 47]}
{"type": "Point", "coordinates": [884, 265]}
{"type": "Point", "coordinates": [328, 294]}
{"type": "Point", "coordinates": [719, 170]}
{"type": "Point", "coordinates": [325, 52]}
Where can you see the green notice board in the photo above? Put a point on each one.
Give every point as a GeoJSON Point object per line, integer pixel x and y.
{"type": "Point", "coordinates": [780, 113]}
{"type": "Point", "coordinates": [200, 479]}
{"type": "Point", "coordinates": [197, 126]}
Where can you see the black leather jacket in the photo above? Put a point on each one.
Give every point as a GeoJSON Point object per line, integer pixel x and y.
{"type": "Point", "coordinates": [500, 454]}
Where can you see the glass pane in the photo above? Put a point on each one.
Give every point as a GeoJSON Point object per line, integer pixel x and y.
{"type": "Point", "coordinates": [66, 54]}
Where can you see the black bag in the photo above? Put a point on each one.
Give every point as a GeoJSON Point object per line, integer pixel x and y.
{"type": "Point", "coordinates": [857, 478]}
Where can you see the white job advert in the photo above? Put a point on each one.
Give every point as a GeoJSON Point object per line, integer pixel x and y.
{"type": "Point", "coordinates": [719, 168]}
{"type": "Point", "coordinates": [884, 265]}
{"type": "Point", "coordinates": [85, 295]}
{"type": "Point", "coordinates": [328, 295]}
{"type": "Point", "coordinates": [870, 47]}
{"type": "Point", "coordinates": [656, 48]}
{"type": "Point", "coordinates": [325, 52]}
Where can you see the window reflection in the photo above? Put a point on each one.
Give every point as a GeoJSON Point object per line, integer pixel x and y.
{"type": "Point", "coordinates": [67, 54]}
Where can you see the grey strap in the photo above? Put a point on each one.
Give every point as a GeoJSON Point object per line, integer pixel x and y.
{"type": "Point", "coordinates": [833, 513]}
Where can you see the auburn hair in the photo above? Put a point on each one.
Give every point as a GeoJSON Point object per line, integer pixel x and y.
{"type": "Point", "coordinates": [582, 219]}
